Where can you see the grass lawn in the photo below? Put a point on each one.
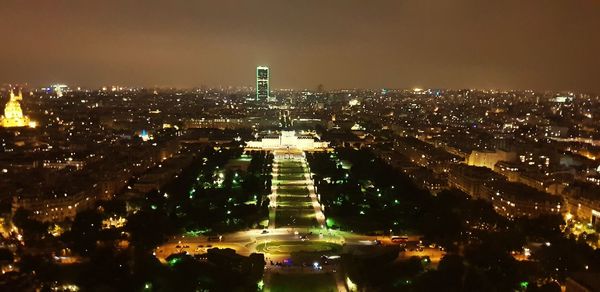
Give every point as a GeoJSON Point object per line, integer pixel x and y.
{"type": "Point", "coordinates": [291, 176]}
{"type": "Point", "coordinates": [285, 184]}
{"type": "Point", "coordinates": [296, 217]}
{"type": "Point", "coordinates": [298, 191]}
{"type": "Point", "coordinates": [287, 247]}
{"type": "Point", "coordinates": [295, 204]}
{"type": "Point", "coordinates": [291, 168]}
{"type": "Point", "coordinates": [293, 199]}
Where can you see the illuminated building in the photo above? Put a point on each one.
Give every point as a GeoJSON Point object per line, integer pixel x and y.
{"type": "Point", "coordinates": [217, 123]}
{"type": "Point", "coordinates": [288, 140]}
{"type": "Point", "coordinates": [59, 89]}
{"type": "Point", "coordinates": [144, 135]}
{"type": "Point", "coordinates": [53, 209]}
{"type": "Point", "coordinates": [489, 158]}
{"type": "Point", "coordinates": [583, 201]}
{"type": "Point", "coordinates": [514, 200]}
{"type": "Point", "coordinates": [509, 199]}
{"type": "Point", "coordinates": [13, 114]}
{"type": "Point", "coordinates": [262, 83]}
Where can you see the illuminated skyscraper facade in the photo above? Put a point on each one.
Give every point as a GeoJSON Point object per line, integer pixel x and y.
{"type": "Point", "coordinates": [262, 83]}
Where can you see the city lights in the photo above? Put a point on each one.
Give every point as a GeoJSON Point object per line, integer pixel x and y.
{"type": "Point", "coordinates": [314, 146]}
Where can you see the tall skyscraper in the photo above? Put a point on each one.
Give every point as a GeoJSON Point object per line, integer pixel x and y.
{"type": "Point", "coordinates": [262, 83]}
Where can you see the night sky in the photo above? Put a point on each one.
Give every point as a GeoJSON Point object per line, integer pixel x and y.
{"type": "Point", "coordinates": [508, 44]}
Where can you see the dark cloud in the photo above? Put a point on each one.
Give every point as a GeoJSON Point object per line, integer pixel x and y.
{"type": "Point", "coordinates": [540, 44]}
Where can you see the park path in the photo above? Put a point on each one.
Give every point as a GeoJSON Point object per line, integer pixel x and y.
{"type": "Point", "coordinates": [292, 201]}
{"type": "Point", "coordinates": [292, 193]}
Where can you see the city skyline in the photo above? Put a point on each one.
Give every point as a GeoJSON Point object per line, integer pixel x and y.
{"type": "Point", "coordinates": [540, 45]}
{"type": "Point", "coordinates": [340, 145]}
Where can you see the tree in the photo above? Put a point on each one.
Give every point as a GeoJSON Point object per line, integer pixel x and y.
{"type": "Point", "coordinates": [451, 271]}
{"type": "Point", "coordinates": [31, 229]}
{"type": "Point", "coordinates": [149, 228]}
{"type": "Point", "coordinates": [6, 256]}
{"type": "Point", "coordinates": [85, 231]}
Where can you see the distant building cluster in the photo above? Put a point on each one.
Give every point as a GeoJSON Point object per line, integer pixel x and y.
{"type": "Point", "coordinates": [524, 152]}
{"type": "Point", "coordinates": [508, 198]}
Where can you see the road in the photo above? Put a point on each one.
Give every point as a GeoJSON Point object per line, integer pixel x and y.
{"type": "Point", "coordinates": [246, 242]}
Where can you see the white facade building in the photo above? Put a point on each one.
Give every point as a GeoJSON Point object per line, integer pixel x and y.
{"type": "Point", "coordinates": [287, 140]}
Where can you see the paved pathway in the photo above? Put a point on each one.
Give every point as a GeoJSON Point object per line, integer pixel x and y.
{"type": "Point", "coordinates": [293, 193]}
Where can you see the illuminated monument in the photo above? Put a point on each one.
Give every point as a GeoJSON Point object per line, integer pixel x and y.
{"type": "Point", "coordinates": [262, 83]}
{"type": "Point", "coordinates": [286, 140]}
{"type": "Point", "coordinates": [13, 114]}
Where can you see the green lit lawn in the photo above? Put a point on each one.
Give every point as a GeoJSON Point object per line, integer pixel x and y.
{"type": "Point", "coordinates": [292, 199]}
{"type": "Point", "coordinates": [287, 247]}
{"type": "Point", "coordinates": [297, 191]}
{"type": "Point", "coordinates": [287, 170]}
{"type": "Point", "coordinates": [294, 206]}
{"type": "Point", "coordinates": [295, 217]}
{"type": "Point", "coordinates": [298, 204]}
{"type": "Point", "coordinates": [282, 177]}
